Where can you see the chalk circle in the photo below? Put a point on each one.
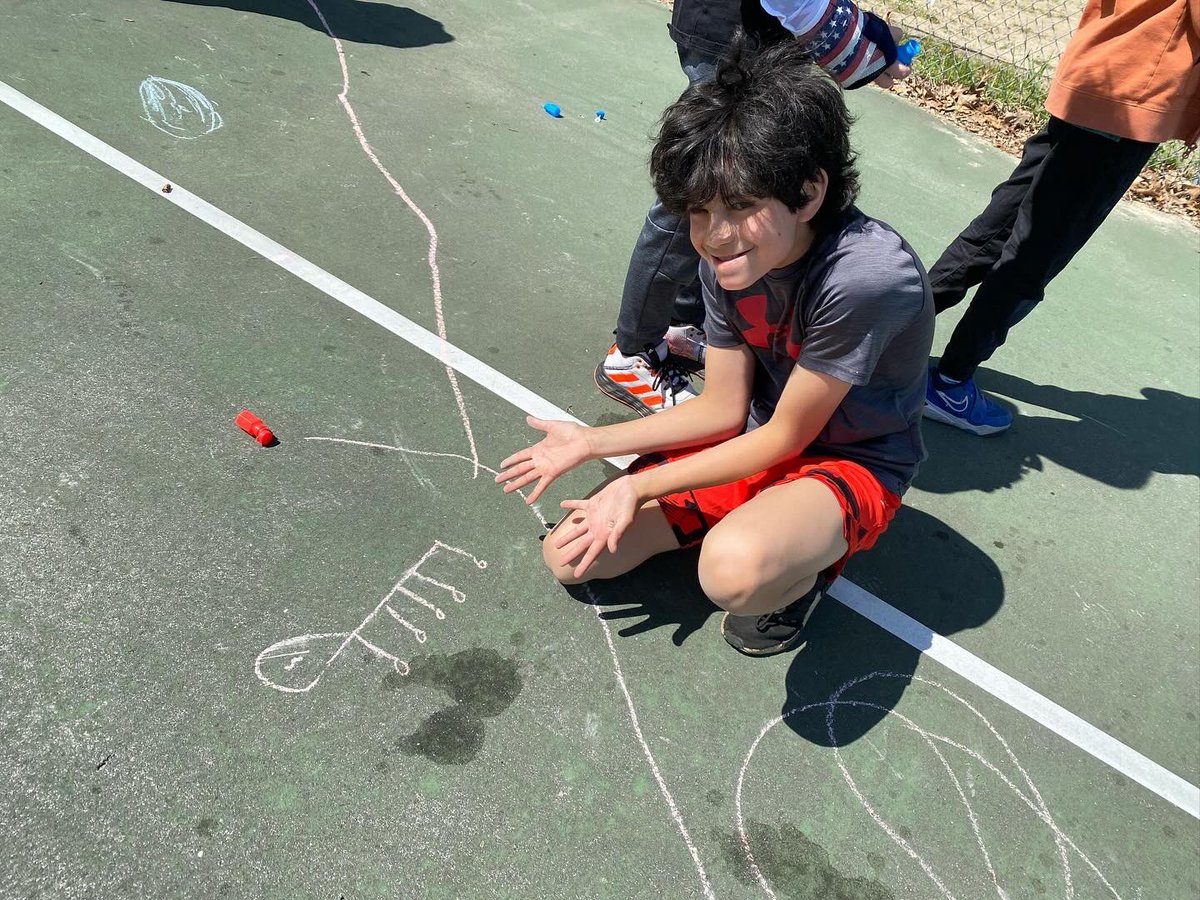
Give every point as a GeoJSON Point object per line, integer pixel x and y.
{"type": "Point", "coordinates": [1031, 797]}
{"type": "Point", "coordinates": [178, 109]}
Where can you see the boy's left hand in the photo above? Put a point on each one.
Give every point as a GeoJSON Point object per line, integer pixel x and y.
{"type": "Point", "coordinates": [606, 516]}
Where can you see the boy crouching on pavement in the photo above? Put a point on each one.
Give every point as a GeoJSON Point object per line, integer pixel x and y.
{"type": "Point", "coordinates": [819, 322]}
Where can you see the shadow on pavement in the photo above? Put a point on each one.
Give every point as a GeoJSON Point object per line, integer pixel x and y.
{"type": "Point", "coordinates": [926, 570]}
{"type": "Point", "coordinates": [662, 592]}
{"type": "Point", "coordinates": [921, 566]}
{"type": "Point", "coordinates": [359, 21]}
{"type": "Point", "coordinates": [1119, 441]}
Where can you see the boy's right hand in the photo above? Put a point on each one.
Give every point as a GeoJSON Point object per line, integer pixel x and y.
{"type": "Point", "coordinates": [563, 448]}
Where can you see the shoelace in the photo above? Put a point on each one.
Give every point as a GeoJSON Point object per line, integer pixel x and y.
{"type": "Point", "coordinates": [672, 377]}
{"type": "Point", "coordinates": [787, 615]}
{"type": "Point", "coordinates": [777, 618]}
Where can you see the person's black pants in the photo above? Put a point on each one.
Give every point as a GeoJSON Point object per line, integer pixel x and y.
{"type": "Point", "coordinates": [1067, 182]}
{"type": "Point", "coordinates": [662, 284]}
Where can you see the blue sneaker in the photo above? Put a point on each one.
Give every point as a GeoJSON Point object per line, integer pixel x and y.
{"type": "Point", "coordinates": [963, 405]}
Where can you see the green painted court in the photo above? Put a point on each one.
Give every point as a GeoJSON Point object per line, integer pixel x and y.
{"type": "Point", "coordinates": [336, 667]}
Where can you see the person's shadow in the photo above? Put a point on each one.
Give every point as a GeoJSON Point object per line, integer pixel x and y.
{"type": "Point", "coordinates": [920, 566]}
{"type": "Point", "coordinates": [662, 592]}
{"type": "Point", "coordinates": [1120, 441]}
{"type": "Point", "coordinates": [926, 570]}
{"type": "Point", "coordinates": [359, 21]}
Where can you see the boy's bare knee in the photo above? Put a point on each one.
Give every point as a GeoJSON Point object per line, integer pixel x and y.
{"type": "Point", "coordinates": [731, 569]}
{"type": "Point", "coordinates": [565, 575]}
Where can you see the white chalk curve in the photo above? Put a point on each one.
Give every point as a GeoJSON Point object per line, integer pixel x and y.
{"type": "Point", "coordinates": [1030, 797]}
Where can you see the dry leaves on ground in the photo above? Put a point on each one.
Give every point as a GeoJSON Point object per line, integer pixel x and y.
{"type": "Point", "coordinates": [1009, 129]}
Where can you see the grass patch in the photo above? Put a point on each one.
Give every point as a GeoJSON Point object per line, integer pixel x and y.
{"type": "Point", "coordinates": [1008, 86]}
{"type": "Point", "coordinates": [1174, 156]}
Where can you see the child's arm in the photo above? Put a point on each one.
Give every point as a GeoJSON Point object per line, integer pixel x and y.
{"type": "Point", "coordinates": [806, 405]}
{"type": "Point", "coordinates": [854, 46]}
{"type": "Point", "coordinates": [808, 401]}
{"type": "Point", "coordinates": [718, 413]}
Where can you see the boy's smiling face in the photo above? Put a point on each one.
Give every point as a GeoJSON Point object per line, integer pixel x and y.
{"type": "Point", "coordinates": [745, 240]}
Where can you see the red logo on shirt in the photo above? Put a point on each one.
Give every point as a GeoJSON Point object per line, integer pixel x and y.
{"type": "Point", "coordinates": [758, 332]}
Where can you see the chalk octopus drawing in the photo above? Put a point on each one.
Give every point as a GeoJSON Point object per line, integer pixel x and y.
{"type": "Point", "coordinates": [1022, 787]}
{"type": "Point", "coordinates": [178, 109]}
{"type": "Point", "coordinates": [290, 660]}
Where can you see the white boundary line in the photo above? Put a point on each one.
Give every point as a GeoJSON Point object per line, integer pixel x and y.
{"type": "Point", "coordinates": [1024, 699]}
{"type": "Point", "coordinates": [443, 351]}
{"type": "Point", "coordinates": [1045, 712]}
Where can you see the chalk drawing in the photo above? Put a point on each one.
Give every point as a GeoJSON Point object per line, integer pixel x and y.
{"type": "Point", "coordinates": [1030, 796]}
{"type": "Point", "coordinates": [1124, 759]}
{"type": "Point", "coordinates": [296, 650]}
{"type": "Point", "coordinates": [443, 351]}
{"type": "Point", "coordinates": [178, 109]}
{"type": "Point", "coordinates": [1135, 766]}
{"type": "Point", "coordinates": [300, 651]}
{"type": "Point", "coordinates": [434, 270]}
{"type": "Point", "coordinates": [618, 673]}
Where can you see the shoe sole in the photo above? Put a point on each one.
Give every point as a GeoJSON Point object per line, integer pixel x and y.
{"type": "Point", "coordinates": [940, 415]}
{"type": "Point", "coordinates": [610, 388]}
{"type": "Point", "coordinates": [783, 647]}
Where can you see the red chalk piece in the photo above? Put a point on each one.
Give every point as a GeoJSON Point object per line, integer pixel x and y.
{"type": "Point", "coordinates": [254, 426]}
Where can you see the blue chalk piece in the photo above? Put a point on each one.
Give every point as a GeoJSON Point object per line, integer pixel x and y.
{"type": "Point", "coordinates": [552, 109]}
{"type": "Point", "coordinates": [907, 52]}
{"type": "Point", "coordinates": [600, 115]}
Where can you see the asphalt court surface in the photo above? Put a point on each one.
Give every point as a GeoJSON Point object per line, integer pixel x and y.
{"type": "Point", "coordinates": [154, 556]}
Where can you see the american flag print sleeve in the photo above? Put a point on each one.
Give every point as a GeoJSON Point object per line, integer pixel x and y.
{"type": "Point", "coordinates": [851, 45]}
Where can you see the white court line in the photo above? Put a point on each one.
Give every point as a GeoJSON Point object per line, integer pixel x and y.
{"type": "Point", "coordinates": [441, 350]}
{"type": "Point", "coordinates": [1045, 712]}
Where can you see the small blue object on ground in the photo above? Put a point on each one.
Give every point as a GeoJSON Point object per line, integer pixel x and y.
{"type": "Point", "coordinates": [553, 110]}
{"type": "Point", "coordinates": [907, 52]}
{"type": "Point", "coordinates": [963, 405]}
{"type": "Point", "coordinates": [600, 115]}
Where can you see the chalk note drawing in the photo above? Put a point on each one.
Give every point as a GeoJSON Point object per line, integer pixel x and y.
{"type": "Point", "coordinates": [1028, 795]}
{"type": "Point", "coordinates": [476, 465]}
{"type": "Point", "coordinates": [290, 660]}
{"type": "Point", "coordinates": [178, 109]}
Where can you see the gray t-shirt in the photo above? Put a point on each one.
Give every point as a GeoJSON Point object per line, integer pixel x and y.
{"type": "Point", "coordinates": [857, 307]}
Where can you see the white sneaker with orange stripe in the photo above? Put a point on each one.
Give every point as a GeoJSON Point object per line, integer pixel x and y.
{"type": "Point", "coordinates": [645, 383]}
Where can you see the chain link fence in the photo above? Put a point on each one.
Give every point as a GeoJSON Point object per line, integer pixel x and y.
{"type": "Point", "coordinates": [1023, 39]}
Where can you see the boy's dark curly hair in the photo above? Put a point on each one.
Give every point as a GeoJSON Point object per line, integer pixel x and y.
{"type": "Point", "coordinates": [765, 125]}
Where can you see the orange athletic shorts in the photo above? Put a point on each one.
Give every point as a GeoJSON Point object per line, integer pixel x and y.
{"type": "Point", "coordinates": [867, 506]}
